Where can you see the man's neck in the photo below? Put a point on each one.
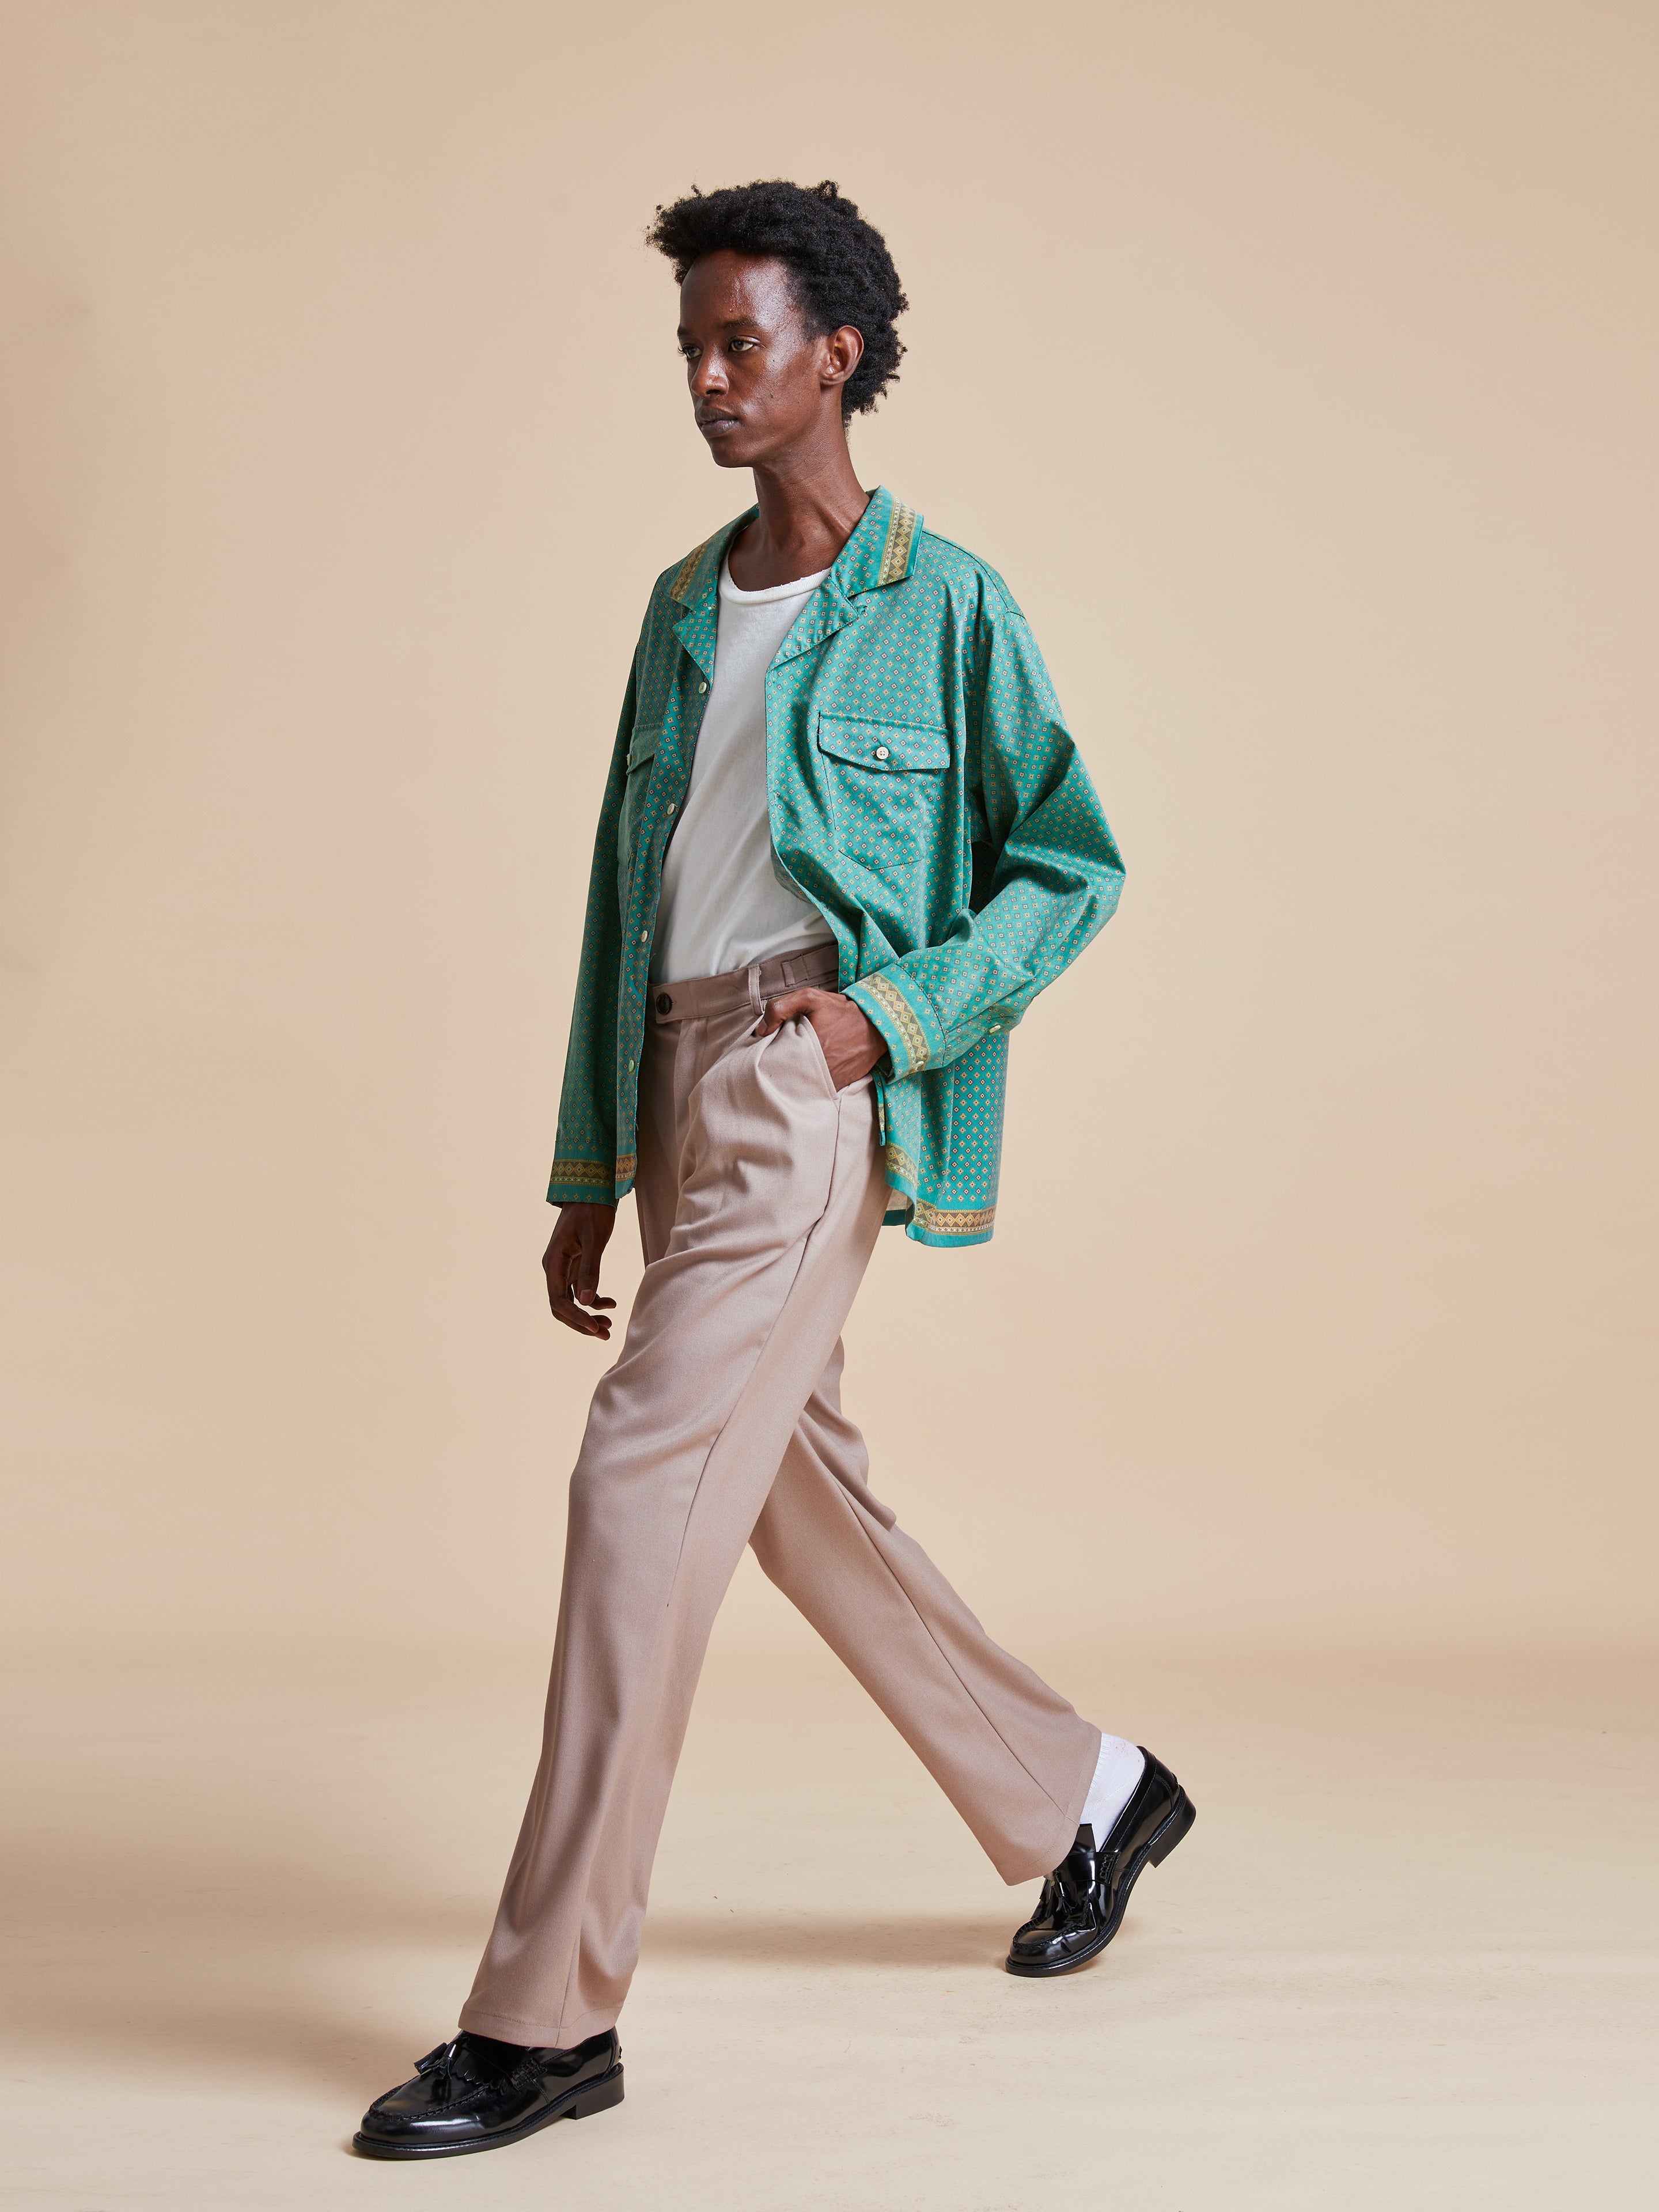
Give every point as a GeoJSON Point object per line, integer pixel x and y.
{"type": "Point", "coordinates": [810, 502]}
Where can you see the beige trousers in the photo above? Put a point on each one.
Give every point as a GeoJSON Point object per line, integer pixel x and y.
{"type": "Point", "coordinates": [760, 1197]}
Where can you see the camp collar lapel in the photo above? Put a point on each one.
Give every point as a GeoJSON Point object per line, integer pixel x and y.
{"type": "Point", "coordinates": [881, 551]}
{"type": "Point", "coordinates": [696, 589]}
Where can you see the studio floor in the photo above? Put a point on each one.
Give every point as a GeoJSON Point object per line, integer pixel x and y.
{"type": "Point", "coordinates": [1406, 1958]}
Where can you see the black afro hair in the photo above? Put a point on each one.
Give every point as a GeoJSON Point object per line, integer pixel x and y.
{"type": "Point", "coordinates": [843, 271]}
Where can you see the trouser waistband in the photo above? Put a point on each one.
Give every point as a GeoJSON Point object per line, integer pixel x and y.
{"type": "Point", "coordinates": [706, 996]}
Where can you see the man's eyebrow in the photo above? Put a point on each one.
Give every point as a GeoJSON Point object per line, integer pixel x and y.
{"type": "Point", "coordinates": [732, 323]}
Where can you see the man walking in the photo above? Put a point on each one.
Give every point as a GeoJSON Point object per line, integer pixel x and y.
{"type": "Point", "coordinates": [845, 841]}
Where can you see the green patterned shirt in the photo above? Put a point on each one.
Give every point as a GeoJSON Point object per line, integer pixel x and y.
{"type": "Point", "coordinates": [925, 795]}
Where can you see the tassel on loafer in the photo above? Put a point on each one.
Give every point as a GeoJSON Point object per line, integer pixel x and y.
{"type": "Point", "coordinates": [1082, 1904]}
{"type": "Point", "coordinates": [473, 2093]}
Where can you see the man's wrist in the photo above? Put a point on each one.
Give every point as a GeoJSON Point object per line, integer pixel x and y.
{"type": "Point", "coordinates": [880, 1063]}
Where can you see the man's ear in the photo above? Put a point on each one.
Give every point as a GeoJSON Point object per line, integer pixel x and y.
{"type": "Point", "coordinates": [843, 350]}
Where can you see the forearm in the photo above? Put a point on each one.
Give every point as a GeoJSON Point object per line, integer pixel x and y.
{"type": "Point", "coordinates": [585, 1163]}
{"type": "Point", "coordinates": [939, 1002]}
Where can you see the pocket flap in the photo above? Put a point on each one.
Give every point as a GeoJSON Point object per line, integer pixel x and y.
{"type": "Point", "coordinates": [643, 745]}
{"type": "Point", "coordinates": [884, 745]}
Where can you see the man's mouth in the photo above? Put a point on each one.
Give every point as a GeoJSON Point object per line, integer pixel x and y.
{"type": "Point", "coordinates": [716, 426]}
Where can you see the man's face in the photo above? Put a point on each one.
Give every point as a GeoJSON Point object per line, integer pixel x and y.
{"type": "Point", "coordinates": [760, 381]}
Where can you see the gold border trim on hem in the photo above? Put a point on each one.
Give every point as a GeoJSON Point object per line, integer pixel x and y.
{"type": "Point", "coordinates": [900, 1162]}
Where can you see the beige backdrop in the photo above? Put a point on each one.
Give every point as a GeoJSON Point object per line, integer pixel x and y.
{"type": "Point", "coordinates": [1295, 364]}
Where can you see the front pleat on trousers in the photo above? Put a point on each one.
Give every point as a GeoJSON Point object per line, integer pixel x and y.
{"type": "Point", "coordinates": [759, 1196]}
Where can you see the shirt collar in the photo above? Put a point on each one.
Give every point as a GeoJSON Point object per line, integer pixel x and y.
{"type": "Point", "coordinates": [881, 551]}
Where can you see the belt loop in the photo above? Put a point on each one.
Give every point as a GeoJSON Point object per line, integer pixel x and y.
{"type": "Point", "coordinates": [757, 1004]}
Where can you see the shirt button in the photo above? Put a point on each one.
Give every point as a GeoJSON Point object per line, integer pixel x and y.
{"type": "Point", "coordinates": [672, 806]}
{"type": "Point", "coordinates": [645, 937]}
{"type": "Point", "coordinates": [630, 1067]}
{"type": "Point", "coordinates": [996, 1026]}
{"type": "Point", "coordinates": [703, 687]}
{"type": "Point", "coordinates": [881, 752]}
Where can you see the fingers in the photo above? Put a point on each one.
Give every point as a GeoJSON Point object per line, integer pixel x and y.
{"type": "Point", "coordinates": [563, 1302]}
{"type": "Point", "coordinates": [587, 1282]}
{"type": "Point", "coordinates": [565, 1308]}
{"type": "Point", "coordinates": [572, 1268]}
{"type": "Point", "coordinates": [779, 1011]}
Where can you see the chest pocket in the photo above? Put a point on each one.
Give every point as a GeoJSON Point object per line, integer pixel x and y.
{"type": "Point", "coordinates": [886, 783]}
{"type": "Point", "coordinates": [641, 751]}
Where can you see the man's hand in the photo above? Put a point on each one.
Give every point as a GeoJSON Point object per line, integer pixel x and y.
{"type": "Point", "coordinates": [571, 1264]}
{"type": "Point", "coordinates": [852, 1043]}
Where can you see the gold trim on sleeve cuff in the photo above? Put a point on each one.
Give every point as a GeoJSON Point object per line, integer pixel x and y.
{"type": "Point", "coordinates": [600, 1174]}
{"type": "Point", "coordinates": [899, 1010]}
{"type": "Point", "coordinates": [934, 1217]}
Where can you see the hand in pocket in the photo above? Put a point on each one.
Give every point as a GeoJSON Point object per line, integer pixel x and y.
{"type": "Point", "coordinates": [852, 1043]}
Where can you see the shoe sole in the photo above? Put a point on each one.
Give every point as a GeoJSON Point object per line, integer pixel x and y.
{"type": "Point", "coordinates": [593, 2097]}
{"type": "Point", "coordinates": [1175, 1824]}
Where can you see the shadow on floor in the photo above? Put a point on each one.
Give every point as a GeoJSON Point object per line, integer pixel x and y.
{"type": "Point", "coordinates": [179, 1960]}
{"type": "Point", "coordinates": [775, 1939]}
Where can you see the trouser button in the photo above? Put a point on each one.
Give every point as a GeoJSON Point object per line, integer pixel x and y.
{"type": "Point", "coordinates": [664, 1003]}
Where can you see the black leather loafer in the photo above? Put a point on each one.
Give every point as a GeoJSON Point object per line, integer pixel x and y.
{"type": "Point", "coordinates": [1081, 1907]}
{"type": "Point", "coordinates": [473, 2093]}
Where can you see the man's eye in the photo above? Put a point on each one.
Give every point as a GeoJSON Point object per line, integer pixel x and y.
{"type": "Point", "coordinates": [745, 345]}
{"type": "Point", "coordinates": [688, 353]}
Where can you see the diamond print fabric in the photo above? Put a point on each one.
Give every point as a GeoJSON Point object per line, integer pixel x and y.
{"type": "Point", "coordinates": [925, 794]}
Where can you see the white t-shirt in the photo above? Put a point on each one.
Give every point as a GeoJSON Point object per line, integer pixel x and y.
{"type": "Point", "coordinates": [721, 906]}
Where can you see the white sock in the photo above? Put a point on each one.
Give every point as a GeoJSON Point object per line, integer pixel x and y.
{"type": "Point", "coordinates": [1117, 1771]}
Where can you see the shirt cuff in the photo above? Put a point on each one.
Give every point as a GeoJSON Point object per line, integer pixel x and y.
{"type": "Point", "coordinates": [582, 1182]}
{"type": "Point", "coordinates": [903, 1014]}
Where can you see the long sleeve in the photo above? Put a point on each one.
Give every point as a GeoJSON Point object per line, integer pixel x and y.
{"type": "Point", "coordinates": [1057, 871]}
{"type": "Point", "coordinates": [585, 1164]}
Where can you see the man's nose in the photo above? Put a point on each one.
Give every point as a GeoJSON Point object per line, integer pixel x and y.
{"type": "Point", "coordinates": [707, 374]}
